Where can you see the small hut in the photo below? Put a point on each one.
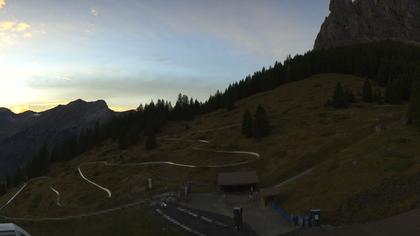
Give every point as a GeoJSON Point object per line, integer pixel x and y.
{"type": "Point", "coordinates": [238, 181]}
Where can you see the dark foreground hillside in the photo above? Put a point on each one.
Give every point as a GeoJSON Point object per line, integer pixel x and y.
{"type": "Point", "coordinates": [346, 160]}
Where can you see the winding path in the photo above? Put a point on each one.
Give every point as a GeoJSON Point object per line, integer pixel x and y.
{"type": "Point", "coordinates": [58, 196]}
{"type": "Point", "coordinates": [108, 191]}
{"type": "Point", "coordinates": [14, 196]}
{"type": "Point", "coordinates": [90, 181]}
{"type": "Point", "coordinates": [169, 163]}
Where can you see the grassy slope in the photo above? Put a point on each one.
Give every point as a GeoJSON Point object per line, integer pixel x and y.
{"type": "Point", "coordinates": [375, 177]}
{"type": "Point", "coordinates": [129, 222]}
{"type": "Point", "coordinates": [350, 157]}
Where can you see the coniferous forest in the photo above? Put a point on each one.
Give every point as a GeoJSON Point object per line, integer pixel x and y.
{"type": "Point", "coordinates": [391, 65]}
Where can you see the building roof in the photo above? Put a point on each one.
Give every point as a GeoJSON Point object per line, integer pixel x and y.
{"type": "Point", "coordinates": [237, 178]}
{"type": "Point", "coordinates": [12, 227]}
{"type": "Point", "coordinates": [269, 192]}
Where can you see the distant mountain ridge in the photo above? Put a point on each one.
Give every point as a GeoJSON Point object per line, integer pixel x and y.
{"type": "Point", "coordinates": [363, 21]}
{"type": "Point", "coordinates": [21, 135]}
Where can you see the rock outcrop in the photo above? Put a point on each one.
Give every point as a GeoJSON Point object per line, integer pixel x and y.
{"type": "Point", "coordinates": [362, 21]}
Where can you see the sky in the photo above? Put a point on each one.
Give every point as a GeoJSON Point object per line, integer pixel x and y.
{"type": "Point", "coordinates": [128, 52]}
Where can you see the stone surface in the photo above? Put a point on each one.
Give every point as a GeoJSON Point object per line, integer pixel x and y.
{"type": "Point", "coordinates": [362, 21]}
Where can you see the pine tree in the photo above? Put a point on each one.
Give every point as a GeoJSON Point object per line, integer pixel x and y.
{"type": "Point", "coordinates": [367, 93]}
{"type": "Point", "coordinates": [19, 177]}
{"type": "Point", "coordinates": [150, 139]}
{"type": "Point", "coordinates": [414, 108]}
{"type": "Point", "coordinates": [247, 123]}
{"type": "Point", "coordinates": [44, 159]}
{"type": "Point", "coordinates": [3, 187]}
{"type": "Point", "coordinates": [349, 96]}
{"type": "Point", "coordinates": [261, 126]}
{"type": "Point", "coordinates": [340, 99]}
{"type": "Point", "coordinates": [39, 164]}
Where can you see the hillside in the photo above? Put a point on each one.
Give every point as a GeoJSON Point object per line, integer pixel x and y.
{"type": "Point", "coordinates": [22, 135]}
{"type": "Point", "coordinates": [348, 158]}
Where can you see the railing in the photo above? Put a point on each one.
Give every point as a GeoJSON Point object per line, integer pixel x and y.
{"type": "Point", "coordinates": [282, 212]}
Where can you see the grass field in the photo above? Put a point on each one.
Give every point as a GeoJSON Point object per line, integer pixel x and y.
{"type": "Point", "coordinates": [349, 158]}
{"type": "Point", "coordinates": [131, 222]}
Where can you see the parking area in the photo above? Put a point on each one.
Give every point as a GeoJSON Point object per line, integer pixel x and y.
{"type": "Point", "coordinates": [200, 223]}
{"type": "Point", "coordinates": [265, 221]}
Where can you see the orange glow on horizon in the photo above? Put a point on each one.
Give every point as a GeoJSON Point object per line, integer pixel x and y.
{"type": "Point", "coordinates": [40, 107]}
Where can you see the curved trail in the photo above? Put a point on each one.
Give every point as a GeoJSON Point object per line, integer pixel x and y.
{"type": "Point", "coordinates": [25, 185]}
{"type": "Point", "coordinates": [14, 196]}
{"type": "Point", "coordinates": [58, 196]}
{"type": "Point", "coordinates": [170, 163]}
{"type": "Point", "coordinates": [109, 192]}
{"type": "Point", "coordinates": [90, 181]}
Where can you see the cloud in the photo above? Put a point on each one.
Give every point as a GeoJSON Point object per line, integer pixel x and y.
{"type": "Point", "coordinates": [247, 26]}
{"type": "Point", "coordinates": [21, 27]}
{"type": "Point", "coordinates": [7, 25]}
{"type": "Point", "coordinates": [2, 3]}
{"type": "Point", "coordinates": [14, 26]}
{"type": "Point", "coordinates": [94, 12]}
{"type": "Point", "coordinates": [11, 32]}
{"type": "Point", "coordinates": [120, 90]}
{"type": "Point", "coordinates": [27, 35]}
{"type": "Point", "coordinates": [6, 39]}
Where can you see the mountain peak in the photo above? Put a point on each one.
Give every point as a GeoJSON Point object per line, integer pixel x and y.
{"type": "Point", "coordinates": [80, 102]}
{"type": "Point", "coordinates": [356, 21]}
{"type": "Point", "coordinates": [6, 112]}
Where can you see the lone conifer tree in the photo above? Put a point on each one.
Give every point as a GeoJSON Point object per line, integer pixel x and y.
{"type": "Point", "coordinates": [261, 126]}
{"type": "Point", "coordinates": [3, 188]}
{"type": "Point", "coordinates": [44, 159]}
{"type": "Point", "coordinates": [247, 123]}
{"type": "Point", "coordinates": [340, 99]}
{"type": "Point", "coordinates": [367, 93]}
{"type": "Point", "coordinates": [414, 109]}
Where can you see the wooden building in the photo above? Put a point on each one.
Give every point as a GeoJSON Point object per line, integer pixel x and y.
{"type": "Point", "coordinates": [238, 181]}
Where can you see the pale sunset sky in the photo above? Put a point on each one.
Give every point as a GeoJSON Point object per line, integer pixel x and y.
{"type": "Point", "coordinates": [128, 52]}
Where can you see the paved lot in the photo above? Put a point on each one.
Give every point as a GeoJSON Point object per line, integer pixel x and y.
{"type": "Point", "coordinates": [407, 224]}
{"type": "Point", "coordinates": [200, 223]}
{"type": "Point", "coordinates": [265, 221]}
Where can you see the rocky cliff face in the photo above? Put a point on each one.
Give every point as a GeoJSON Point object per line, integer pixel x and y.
{"type": "Point", "coordinates": [360, 21]}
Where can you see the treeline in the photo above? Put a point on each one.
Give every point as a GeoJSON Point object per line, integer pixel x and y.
{"type": "Point", "coordinates": [389, 64]}
{"type": "Point", "coordinates": [256, 126]}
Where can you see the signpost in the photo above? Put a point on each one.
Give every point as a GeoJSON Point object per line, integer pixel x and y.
{"type": "Point", "coordinates": [237, 216]}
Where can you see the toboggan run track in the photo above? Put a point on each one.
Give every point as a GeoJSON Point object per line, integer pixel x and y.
{"type": "Point", "coordinates": [109, 192]}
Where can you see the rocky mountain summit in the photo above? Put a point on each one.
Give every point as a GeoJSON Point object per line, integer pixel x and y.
{"type": "Point", "coordinates": [21, 135]}
{"type": "Point", "coordinates": [362, 21]}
